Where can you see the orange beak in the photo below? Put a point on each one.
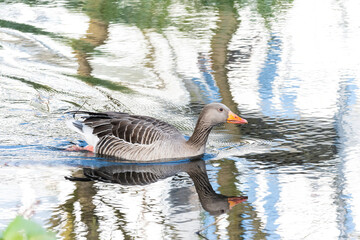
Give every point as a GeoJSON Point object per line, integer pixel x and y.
{"type": "Point", "coordinates": [233, 118]}
{"type": "Point", "coordinates": [236, 200]}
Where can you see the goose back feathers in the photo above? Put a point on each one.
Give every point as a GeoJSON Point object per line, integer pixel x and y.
{"type": "Point", "coordinates": [135, 137]}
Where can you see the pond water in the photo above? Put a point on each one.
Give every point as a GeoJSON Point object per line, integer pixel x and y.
{"type": "Point", "coordinates": [290, 67]}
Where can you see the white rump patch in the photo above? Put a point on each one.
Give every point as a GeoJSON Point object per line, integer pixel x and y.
{"type": "Point", "coordinates": [86, 131]}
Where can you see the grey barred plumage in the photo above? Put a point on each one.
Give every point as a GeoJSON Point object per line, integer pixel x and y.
{"type": "Point", "coordinates": [135, 137]}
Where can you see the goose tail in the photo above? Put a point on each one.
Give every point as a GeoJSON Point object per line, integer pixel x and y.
{"type": "Point", "coordinates": [75, 121]}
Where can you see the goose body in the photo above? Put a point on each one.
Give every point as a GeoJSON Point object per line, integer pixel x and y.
{"type": "Point", "coordinates": [143, 138]}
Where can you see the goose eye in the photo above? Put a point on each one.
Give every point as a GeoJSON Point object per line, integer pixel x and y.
{"type": "Point", "coordinates": [221, 109]}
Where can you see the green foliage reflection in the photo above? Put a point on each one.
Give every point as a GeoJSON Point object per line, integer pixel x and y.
{"type": "Point", "coordinates": [20, 228]}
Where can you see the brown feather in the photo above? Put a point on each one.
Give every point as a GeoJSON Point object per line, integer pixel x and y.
{"type": "Point", "coordinates": [129, 128]}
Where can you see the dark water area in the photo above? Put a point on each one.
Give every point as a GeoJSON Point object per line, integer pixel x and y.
{"type": "Point", "coordinates": [290, 67]}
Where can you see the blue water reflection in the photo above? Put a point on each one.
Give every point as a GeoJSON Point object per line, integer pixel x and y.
{"type": "Point", "coordinates": [208, 87]}
{"type": "Point", "coordinates": [268, 74]}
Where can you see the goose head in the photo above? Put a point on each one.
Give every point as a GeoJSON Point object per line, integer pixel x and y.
{"type": "Point", "coordinates": [217, 113]}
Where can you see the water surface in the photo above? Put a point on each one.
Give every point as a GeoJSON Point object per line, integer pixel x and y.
{"type": "Point", "coordinates": [291, 68]}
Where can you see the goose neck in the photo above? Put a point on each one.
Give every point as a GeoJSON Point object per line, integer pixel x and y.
{"type": "Point", "coordinates": [201, 133]}
{"type": "Point", "coordinates": [202, 185]}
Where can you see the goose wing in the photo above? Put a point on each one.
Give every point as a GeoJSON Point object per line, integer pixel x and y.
{"type": "Point", "coordinates": [129, 128]}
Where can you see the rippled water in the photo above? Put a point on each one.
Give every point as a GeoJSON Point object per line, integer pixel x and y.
{"type": "Point", "coordinates": [291, 68]}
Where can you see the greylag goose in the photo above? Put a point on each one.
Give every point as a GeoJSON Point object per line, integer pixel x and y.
{"type": "Point", "coordinates": [144, 174]}
{"type": "Point", "coordinates": [142, 138]}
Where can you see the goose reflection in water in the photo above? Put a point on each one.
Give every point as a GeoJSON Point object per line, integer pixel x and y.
{"type": "Point", "coordinates": [147, 173]}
